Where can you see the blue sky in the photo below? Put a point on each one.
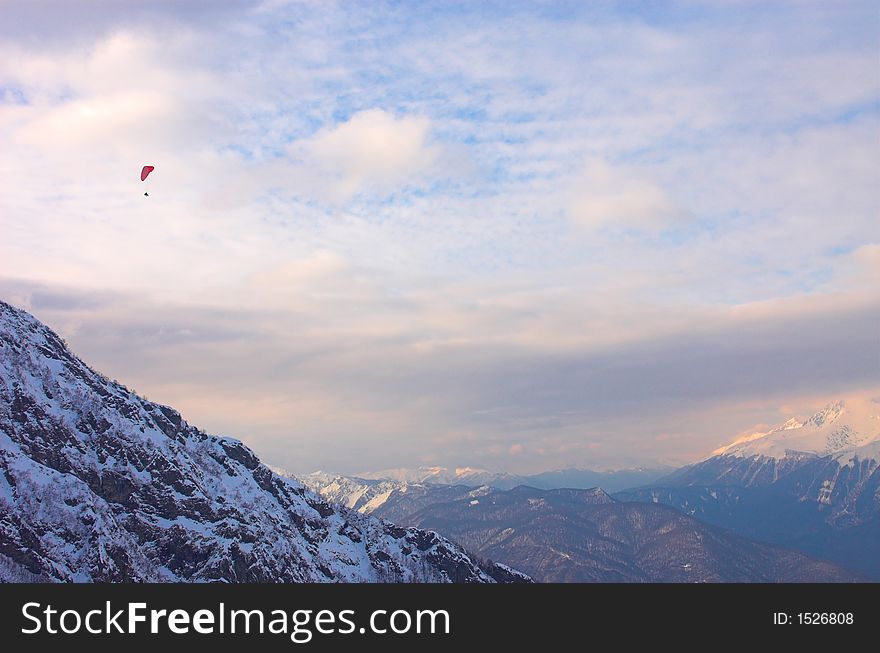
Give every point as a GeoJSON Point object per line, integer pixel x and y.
{"type": "Point", "coordinates": [514, 235]}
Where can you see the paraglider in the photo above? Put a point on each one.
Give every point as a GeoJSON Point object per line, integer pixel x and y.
{"type": "Point", "coordinates": [145, 172]}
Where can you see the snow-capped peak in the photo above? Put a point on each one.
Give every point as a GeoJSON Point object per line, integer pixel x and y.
{"type": "Point", "coordinates": [841, 427]}
{"type": "Point", "coordinates": [828, 414]}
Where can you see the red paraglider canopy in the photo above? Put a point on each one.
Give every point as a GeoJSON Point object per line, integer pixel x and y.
{"type": "Point", "coordinates": [146, 171]}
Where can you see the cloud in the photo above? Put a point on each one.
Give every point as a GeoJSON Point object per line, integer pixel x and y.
{"type": "Point", "coordinates": [338, 377]}
{"type": "Point", "coordinates": [54, 24]}
{"type": "Point", "coordinates": [297, 274]}
{"type": "Point", "coordinates": [128, 90]}
{"type": "Point", "coordinates": [867, 258]}
{"type": "Point", "coordinates": [374, 148]}
{"type": "Point", "coordinates": [382, 233]}
{"type": "Point", "coordinates": [623, 197]}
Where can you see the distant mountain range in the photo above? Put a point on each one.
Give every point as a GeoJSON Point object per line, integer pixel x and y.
{"type": "Point", "coordinates": [372, 491]}
{"type": "Point", "coordinates": [563, 478]}
{"type": "Point", "coordinates": [810, 485]}
{"type": "Point", "coordinates": [568, 535]}
{"type": "Point", "coordinates": [99, 484]}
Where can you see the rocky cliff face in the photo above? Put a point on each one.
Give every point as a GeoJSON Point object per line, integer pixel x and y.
{"type": "Point", "coordinates": [99, 484]}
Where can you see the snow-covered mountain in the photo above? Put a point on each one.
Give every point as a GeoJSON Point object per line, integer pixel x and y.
{"type": "Point", "coordinates": [841, 442]}
{"type": "Point", "coordinates": [99, 484]}
{"type": "Point", "coordinates": [810, 484]}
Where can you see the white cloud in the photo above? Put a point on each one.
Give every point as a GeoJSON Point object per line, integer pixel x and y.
{"type": "Point", "coordinates": [621, 196]}
{"type": "Point", "coordinates": [374, 148]}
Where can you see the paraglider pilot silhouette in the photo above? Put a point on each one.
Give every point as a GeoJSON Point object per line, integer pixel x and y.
{"type": "Point", "coordinates": [145, 172]}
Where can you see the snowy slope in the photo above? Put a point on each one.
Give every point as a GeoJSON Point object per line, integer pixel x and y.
{"type": "Point", "coordinates": [358, 494]}
{"type": "Point", "coordinates": [384, 498]}
{"type": "Point", "coordinates": [99, 484]}
{"type": "Point", "coordinates": [852, 457]}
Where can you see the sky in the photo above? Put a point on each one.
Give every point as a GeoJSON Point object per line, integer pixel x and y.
{"type": "Point", "coordinates": [517, 236]}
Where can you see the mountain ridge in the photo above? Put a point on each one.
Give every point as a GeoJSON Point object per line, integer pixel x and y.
{"type": "Point", "coordinates": [569, 535]}
{"type": "Point", "coordinates": [578, 478]}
